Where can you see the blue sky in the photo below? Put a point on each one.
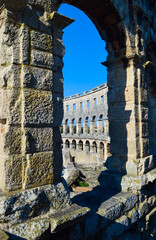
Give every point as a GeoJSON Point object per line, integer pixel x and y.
{"type": "Point", "coordinates": [84, 52]}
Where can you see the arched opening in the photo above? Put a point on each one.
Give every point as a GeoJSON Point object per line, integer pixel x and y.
{"type": "Point", "coordinates": [94, 147]}
{"type": "Point", "coordinates": [80, 145]}
{"type": "Point", "coordinates": [94, 125]}
{"type": "Point", "coordinates": [80, 126]}
{"type": "Point", "coordinates": [67, 129]}
{"type": "Point", "coordinates": [108, 22]}
{"type": "Point", "coordinates": [108, 149]}
{"type": "Point", "coordinates": [67, 144]}
{"type": "Point", "coordinates": [101, 128]}
{"type": "Point", "coordinates": [79, 58]}
{"type": "Point", "coordinates": [87, 146]}
{"type": "Point", "coordinates": [87, 125]}
{"type": "Point", "coordinates": [73, 126]}
{"type": "Point", "coordinates": [74, 144]}
{"type": "Point", "coordinates": [101, 150]}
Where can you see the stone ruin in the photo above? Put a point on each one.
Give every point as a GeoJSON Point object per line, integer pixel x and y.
{"type": "Point", "coordinates": [34, 200]}
{"type": "Point", "coordinates": [84, 129]}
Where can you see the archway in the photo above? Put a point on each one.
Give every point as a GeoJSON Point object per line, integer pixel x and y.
{"type": "Point", "coordinates": [80, 145]}
{"type": "Point", "coordinates": [124, 88]}
{"type": "Point", "coordinates": [102, 150]}
{"type": "Point", "coordinates": [67, 144]}
{"type": "Point", "coordinates": [74, 144]}
{"type": "Point", "coordinates": [87, 146]}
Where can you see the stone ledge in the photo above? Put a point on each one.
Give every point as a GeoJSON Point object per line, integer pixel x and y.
{"type": "Point", "coordinates": [17, 207]}
{"type": "Point", "coordinates": [33, 229]}
{"type": "Point", "coordinates": [114, 215]}
{"type": "Point", "coordinates": [126, 183]}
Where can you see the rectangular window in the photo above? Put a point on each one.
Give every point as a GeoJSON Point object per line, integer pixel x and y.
{"type": "Point", "coordinates": [95, 101]}
{"type": "Point", "coordinates": [81, 105]}
{"type": "Point", "coordinates": [88, 103]}
{"type": "Point", "coordinates": [74, 106]}
{"type": "Point", "coordinates": [67, 107]}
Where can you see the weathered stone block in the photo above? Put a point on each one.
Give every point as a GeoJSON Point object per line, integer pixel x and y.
{"type": "Point", "coordinates": [42, 59]}
{"type": "Point", "coordinates": [38, 139]}
{"type": "Point", "coordinates": [38, 107]}
{"type": "Point", "coordinates": [25, 45]}
{"type": "Point", "coordinates": [19, 206]}
{"type": "Point", "coordinates": [38, 78]}
{"type": "Point", "coordinates": [128, 199]}
{"type": "Point", "coordinates": [41, 41]}
{"type": "Point", "coordinates": [39, 169]}
{"type": "Point", "coordinates": [58, 109]}
{"type": "Point", "coordinates": [13, 140]}
{"type": "Point", "coordinates": [57, 82]}
{"type": "Point", "coordinates": [58, 64]}
{"type": "Point", "coordinates": [110, 210]}
{"type": "Point", "coordinates": [11, 178]}
{"type": "Point", "coordinates": [11, 110]}
{"type": "Point", "coordinates": [58, 48]}
{"type": "Point", "coordinates": [10, 76]}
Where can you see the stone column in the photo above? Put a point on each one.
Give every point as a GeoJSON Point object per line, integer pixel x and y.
{"type": "Point", "coordinates": [106, 127]}
{"type": "Point", "coordinates": [92, 127]}
{"type": "Point", "coordinates": [31, 93]}
{"type": "Point", "coordinates": [71, 127]}
{"type": "Point", "coordinates": [78, 128]}
{"type": "Point", "coordinates": [86, 126]}
{"type": "Point", "coordinates": [127, 115]}
{"type": "Point", "coordinates": [64, 128]}
{"type": "Point", "coordinates": [99, 126]}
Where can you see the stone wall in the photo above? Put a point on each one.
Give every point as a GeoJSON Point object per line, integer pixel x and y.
{"type": "Point", "coordinates": [34, 200]}
{"type": "Point", "coordinates": [85, 127]}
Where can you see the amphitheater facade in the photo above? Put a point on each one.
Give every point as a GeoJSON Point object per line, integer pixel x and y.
{"type": "Point", "coordinates": [84, 130]}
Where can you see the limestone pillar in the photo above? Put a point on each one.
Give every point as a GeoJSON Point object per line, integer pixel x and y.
{"type": "Point", "coordinates": [64, 128]}
{"type": "Point", "coordinates": [92, 127]}
{"type": "Point", "coordinates": [78, 128]}
{"type": "Point", "coordinates": [128, 117]}
{"type": "Point", "coordinates": [86, 126]}
{"type": "Point", "coordinates": [99, 126]}
{"type": "Point", "coordinates": [71, 128]}
{"type": "Point", "coordinates": [106, 127]}
{"type": "Point", "coordinates": [31, 93]}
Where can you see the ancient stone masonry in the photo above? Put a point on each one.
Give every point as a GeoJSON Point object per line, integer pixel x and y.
{"type": "Point", "coordinates": [34, 199]}
{"type": "Point", "coordinates": [85, 127]}
{"type": "Point", "coordinates": [31, 92]}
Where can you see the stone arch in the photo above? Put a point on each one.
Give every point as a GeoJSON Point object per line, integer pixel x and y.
{"type": "Point", "coordinates": [108, 149]}
{"type": "Point", "coordinates": [93, 125]}
{"type": "Point", "coordinates": [73, 126]}
{"type": "Point", "coordinates": [106, 18]}
{"type": "Point", "coordinates": [117, 26]}
{"type": "Point", "coordinates": [94, 147]}
{"type": "Point", "coordinates": [73, 144]}
{"type": "Point", "coordinates": [80, 145]}
{"type": "Point", "coordinates": [87, 125]}
{"type": "Point", "coordinates": [67, 127]}
{"type": "Point", "coordinates": [100, 124]}
{"type": "Point", "coordinates": [87, 146]}
{"type": "Point", "coordinates": [80, 126]}
{"type": "Point", "coordinates": [101, 150]}
{"type": "Point", "coordinates": [67, 144]}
